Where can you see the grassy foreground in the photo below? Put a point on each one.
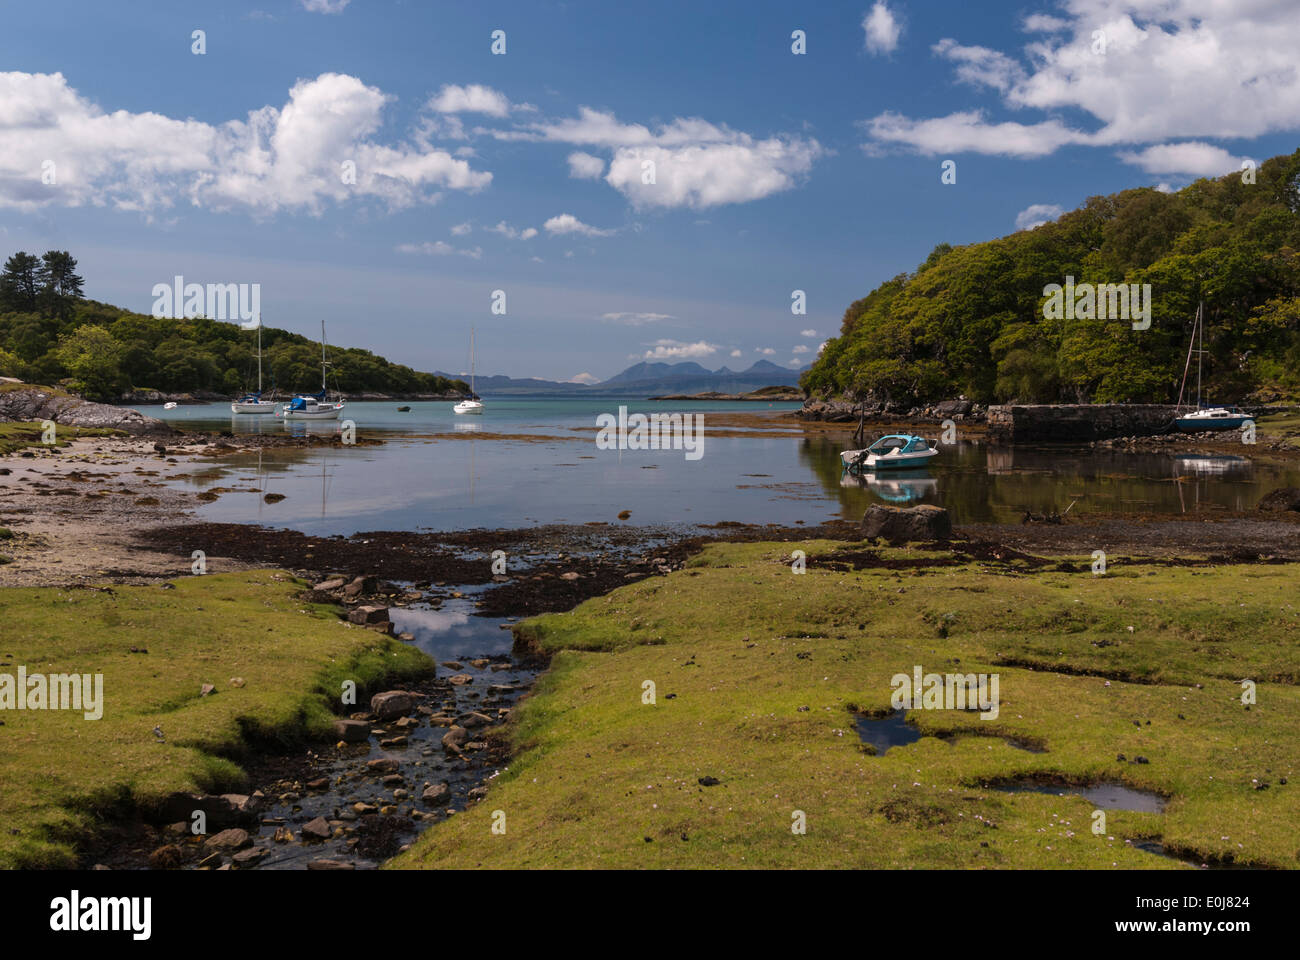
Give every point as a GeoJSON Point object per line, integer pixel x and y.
{"type": "Point", "coordinates": [1144, 661]}
{"type": "Point", "coordinates": [59, 771]}
{"type": "Point", "coordinates": [20, 435]}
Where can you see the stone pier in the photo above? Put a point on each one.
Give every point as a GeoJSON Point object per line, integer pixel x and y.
{"type": "Point", "coordinates": [1077, 422]}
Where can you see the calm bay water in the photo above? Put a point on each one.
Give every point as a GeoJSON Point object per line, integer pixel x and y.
{"type": "Point", "coordinates": [530, 461]}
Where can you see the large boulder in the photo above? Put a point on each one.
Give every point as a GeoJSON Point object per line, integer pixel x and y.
{"type": "Point", "coordinates": [906, 524]}
{"type": "Point", "coordinates": [392, 704]}
{"type": "Point", "coordinates": [28, 403]}
{"type": "Point", "coordinates": [1285, 498]}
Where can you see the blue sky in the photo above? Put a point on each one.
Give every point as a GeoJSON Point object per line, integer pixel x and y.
{"type": "Point", "coordinates": [522, 172]}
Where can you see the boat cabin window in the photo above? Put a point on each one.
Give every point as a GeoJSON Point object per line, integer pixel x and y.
{"type": "Point", "coordinates": [886, 444]}
{"type": "Point", "coordinates": [918, 444]}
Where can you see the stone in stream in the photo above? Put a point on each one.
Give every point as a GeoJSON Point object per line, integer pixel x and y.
{"type": "Point", "coordinates": [907, 524]}
{"type": "Point", "coordinates": [330, 865]}
{"type": "Point", "coordinates": [473, 719]}
{"type": "Point", "coordinates": [437, 794]}
{"type": "Point", "coordinates": [249, 857]}
{"type": "Point", "coordinates": [460, 679]}
{"type": "Point", "coordinates": [392, 704]}
{"type": "Point", "coordinates": [393, 742]}
{"type": "Point", "coordinates": [381, 766]}
{"type": "Point", "coordinates": [334, 583]}
{"type": "Point", "coordinates": [454, 738]}
{"type": "Point", "coordinates": [229, 840]}
{"type": "Point", "coordinates": [368, 615]}
{"type": "Point", "coordinates": [318, 829]}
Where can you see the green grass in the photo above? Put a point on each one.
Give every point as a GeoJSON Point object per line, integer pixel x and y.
{"type": "Point", "coordinates": [60, 773]}
{"type": "Point", "coordinates": [595, 772]}
{"type": "Point", "coordinates": [18, 435]}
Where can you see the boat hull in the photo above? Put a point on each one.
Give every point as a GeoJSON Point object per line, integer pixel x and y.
{"type": "Point", "coordinates": [253, 408]}
{"type": "Point", "coordinates": [328, 411]}
{"type": "Point", "coordinates": [874, 461]}
{"type": "Point", "coordinates": [1195, 424]}
{"type": "Point", "coordinates": [468, 406]}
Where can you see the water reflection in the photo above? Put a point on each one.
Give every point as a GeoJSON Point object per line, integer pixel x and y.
{"type": "Point", "coordinates": [895, 486]}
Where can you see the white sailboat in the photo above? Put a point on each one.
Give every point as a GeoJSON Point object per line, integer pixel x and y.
{"type": "Point", "coordinates": [1204, 416]}
{"type": "Point", "coordinates": [252, 403]}
{"type": "Point", "coordinates": [314, 407]}
{"type": "Point", "coordinates": [472, 405]}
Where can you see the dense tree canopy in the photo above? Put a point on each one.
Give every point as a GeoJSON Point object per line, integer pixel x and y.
{"type": "Point", "coordinates": [971, 319]}
{"type": "Point", "coordinates": [49, 334]}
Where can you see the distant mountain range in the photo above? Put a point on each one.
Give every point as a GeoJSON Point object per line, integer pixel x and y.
{"type": "Point", "coordinates": [650, 379]}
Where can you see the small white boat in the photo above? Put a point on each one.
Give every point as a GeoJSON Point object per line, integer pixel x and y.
{"type": "Point", "coordinates": [169, 405]}
{"type": "Point", "coordinates": [252, 403]}
{"type": "Point", "coordinates": [314, 406]}
{"type": "Point", "coordinates": [311, 408]}
{"type": "Point", "coordinates": [1204, 417]}
{"type": "Point", "coordinates": [889, 452]}
{"type": "Point", "coordinates": [473, 404]}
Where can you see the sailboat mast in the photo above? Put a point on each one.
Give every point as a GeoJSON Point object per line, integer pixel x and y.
{"type": "Point", "coordinates": [471, 362]}
{"type": "Point", "coordinates": [1200, 318]}
{"type": "Point", "coordinates": [322, 355]}
{"type": "Point", "coordinates": [259, 356]}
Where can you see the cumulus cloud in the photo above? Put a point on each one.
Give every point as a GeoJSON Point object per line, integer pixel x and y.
{"type": "Point", "coordinates": [686, 163]}
{"type": "Point", "coordinates": [1037, 214]}
{"type": "Point", "coordinates": [881, 28]}
{"type": "Point", "coordinates": [800, 348]}
{"type": "Point", "coordinates": [582, 378]}
{"type": "Point", "coordinates": [1170, 70]}
{"type": "Point", "coordinates": [461, 229]}
{"type": "Point", "coordinates": [439, 248]}
{"type": "Point", "coordinates": [474, 98]}
{"type": "Point", "coordinates": [584, 166]}
{"type": "Point", "coordinates": [315, 149]}
{"type": "Point", "coordinates": [765, 351]}
{"type": "Point", "coordinates": [1193, 159]}
{"type": "Point", "coordinates": [736, 353]}
{"type": "Point", "coordinates": [677, 350]}
{"type": "Point", "coordinates": [636, 319]}
{"type": "Point", "coordinates": [568, 223]}
{"type": "Point", "coordinates": [808, 333]}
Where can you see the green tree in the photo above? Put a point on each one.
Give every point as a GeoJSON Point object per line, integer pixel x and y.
{"type": "Point", "coordinates": [20, 282]}
{"type": "Point", "coordinates": [91, 358]}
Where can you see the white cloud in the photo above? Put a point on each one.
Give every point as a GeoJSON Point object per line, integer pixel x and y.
{"type": "Point", "coordinates": [474, 98]}
{"type": "Point", "coordinates": [584, 166]}
{"type": "Point", "coordinates": [677, 350]}
{"type": "Point", "coordinates": [288, 157]}
{"type": "Point", "coordinates": [1171, 70]}
{"type": "Point", "coordinates": [736, 353]}
{"type": "Point", "coordinates": [1037, 214]}
{"type": "Point", "coordinates": [1192, 159]}
{"type": "Point", "coordinates": [1043, 23]}
{"type": "Point", "coordinates": [439, 248]}
{"type": "Point", "coordinates": [636, 319]}
{"type": "Point", "coordinates": [696, 164]}
{"type": "Point", "coordinates": [881, 28]}
{"type": "Point", "coordinates": [568, 223]}
{"type": "Point", "coordinates": [324, 6]}
{"type": "Point", "coordinates": [808, 333]}
{"type": "Point", "coordinates": [765, 351]}
{"type": "Point", "coordinates": [461, 229]}
{"type": "Point", "coordinates": [512, 233]}
{"type": "Point", "coordinates": [582, 378]}
{"type": "Point", "coordinates": [969, 132]}
{"type": "Point", "coordinates": [800, 349]}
